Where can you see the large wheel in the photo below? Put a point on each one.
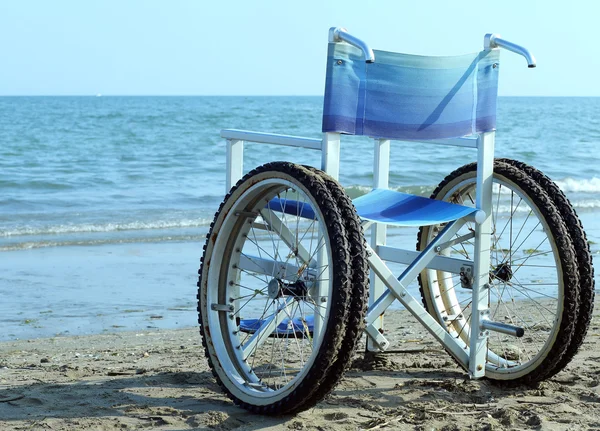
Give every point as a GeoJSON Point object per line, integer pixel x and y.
{"type": "Point", "coordinates": [582, 253]}
{"type": "Point", "coordinates": [533, 275]}
{"type": "Point", "coordinates": [360, 276]}
{"type": "Point", "coordinates": [275, 290]}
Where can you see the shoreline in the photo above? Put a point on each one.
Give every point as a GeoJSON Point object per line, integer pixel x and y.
{"type": "Point", "coordinates": [87, 290]}
{"type": "Point", "coordinates": [160, 379]}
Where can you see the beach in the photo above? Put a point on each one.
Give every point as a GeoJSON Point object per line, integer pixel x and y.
{"type": "Point", "coordinates": [104, 208]}
{"type": "Point", "coordinates": [105, 202]}
{"type": "Point", "coordinates": [159, 379]}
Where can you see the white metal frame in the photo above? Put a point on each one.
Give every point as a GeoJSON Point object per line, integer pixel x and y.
{"type": "Point", "coordinates": [385, 287]}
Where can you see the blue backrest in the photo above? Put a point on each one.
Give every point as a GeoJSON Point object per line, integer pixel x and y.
{"type": "Point", "coordinates": [409, 97]}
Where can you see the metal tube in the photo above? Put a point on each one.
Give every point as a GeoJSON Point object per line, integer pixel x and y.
{"type": "Point", "coordinates": [338, 34]}
{"type": "Point", "coordinates": [271, 138]}
{"type": "Point", "coordinates": [503, 328]}
{"type": "Point", "coordinates": [494, 41]}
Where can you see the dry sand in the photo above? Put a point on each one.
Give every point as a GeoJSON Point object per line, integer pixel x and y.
{"type": "Point", "coordinates": [160, 380]}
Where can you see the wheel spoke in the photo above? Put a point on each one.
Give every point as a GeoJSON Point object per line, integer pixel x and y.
{"type": "Point", "coordinates": [285, 234]}
{"type": "Point", "coordinates": [526, 288]}
{"type": "Point", "coordinates": [266, 328]}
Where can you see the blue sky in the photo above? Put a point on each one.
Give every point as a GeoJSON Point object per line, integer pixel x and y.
{"type": "Point", "coordinates": [276, 47]}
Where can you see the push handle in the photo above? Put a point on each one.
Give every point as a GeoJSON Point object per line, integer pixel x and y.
{"type": "Point", "coordinates": [495, 41]}
{"type": "Point", "coordinates": [338, 34]}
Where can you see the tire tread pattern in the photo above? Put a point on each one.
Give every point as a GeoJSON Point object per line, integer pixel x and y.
{"type": "Point", "coordinates": [582, 252]}
{"type": "Point", "coordinates": [312, 387]}
{"type": "Point", "coordinates": [360, 277]}
{"type": "Point", "coordinates": [566, 253]}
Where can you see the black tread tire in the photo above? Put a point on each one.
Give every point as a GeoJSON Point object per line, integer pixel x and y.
{"type": "Point", "coordinates": [566, 255]}
{"type": "Point", "coordinates": [360, 276]}
{"type": "Point", "coordinates": [582, 252]}
{"type": "Point", "coordinates": [310, 389]}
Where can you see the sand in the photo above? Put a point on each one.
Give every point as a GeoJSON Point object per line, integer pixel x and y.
{"type": "Point", "coordinates": [160, 380]}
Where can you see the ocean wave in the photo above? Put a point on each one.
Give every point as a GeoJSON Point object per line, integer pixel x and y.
{"type": "Point", "coordinates": [30, 245]}
{"type": "Point", "coordinates": [567, 185]}
{"type": "Point", "coordinates": [35, 185]}
{"type": "Point", "coordinates": [14, 232]}
{"type": "Point", "coordinates": [586, 204]}
{"type": "Point", "coordinates": [105, 227]}
{"type": "Point", "coordinates": [355, 191]}
{"type": "Point", "coordinates": [587, 185]}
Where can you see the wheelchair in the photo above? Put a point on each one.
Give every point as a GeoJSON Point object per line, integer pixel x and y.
{"type": "Point", "coordinates": [288, 282]}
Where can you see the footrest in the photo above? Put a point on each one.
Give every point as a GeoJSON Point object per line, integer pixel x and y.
{"type": "Point", "coordinates": [286, 328]}
{"type": "Point", "coordinates": [504, 328]}
{"type": "Point", "coordinates": [402, 209]}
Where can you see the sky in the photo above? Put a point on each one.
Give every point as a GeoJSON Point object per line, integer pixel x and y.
{"type": "Point", "coordinates": [277, 47]}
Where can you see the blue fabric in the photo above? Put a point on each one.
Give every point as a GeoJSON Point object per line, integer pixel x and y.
{"type": "Point", "coordinates": [402, 209]}
{"type": "Point", "coordinates": [388, 206]}
{"type": "Point", "coordinates": [411, 97]}
{"type": "Point", "coordinates": [252, 325]}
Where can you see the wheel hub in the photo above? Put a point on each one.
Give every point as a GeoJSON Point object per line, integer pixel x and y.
{"type": "Point", "coordinates": [502, 272]}
{"type": "Point", "coordinates": [278, 288]}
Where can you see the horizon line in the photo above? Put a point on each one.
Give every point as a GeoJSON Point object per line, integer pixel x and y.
{"type": "Point", "coordinates": [99, 95]}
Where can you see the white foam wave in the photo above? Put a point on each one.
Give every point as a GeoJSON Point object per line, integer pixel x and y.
{"type": "Point", "coordinates": [105, 227]}
{"type": "Point", "coordinates": [586, 204]}
{"type": "Point", "coordinates": [567, 185]}
{"type": "Point", "coordinates": [359, 190]}
{"type": "Point", "coordinates": [46, 244]}
{"type": "Point", "coordinates": [505, 209]}
{"type": "Point", "coordinates": [588, 185]}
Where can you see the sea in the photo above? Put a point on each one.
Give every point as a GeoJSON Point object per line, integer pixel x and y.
{"type": "Point", "coordinates": [105, 202]}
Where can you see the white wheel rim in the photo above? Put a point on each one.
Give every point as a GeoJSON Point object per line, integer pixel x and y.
{"type": "Point", "coordinates": [239, 375]}
{"type": "Point", "coordinates": [443, 289]}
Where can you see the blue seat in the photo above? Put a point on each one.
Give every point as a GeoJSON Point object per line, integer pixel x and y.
{"type": "Point", "coordinates": [402, 209]}
{"type": "Point", "coordinates": [389, 207]}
